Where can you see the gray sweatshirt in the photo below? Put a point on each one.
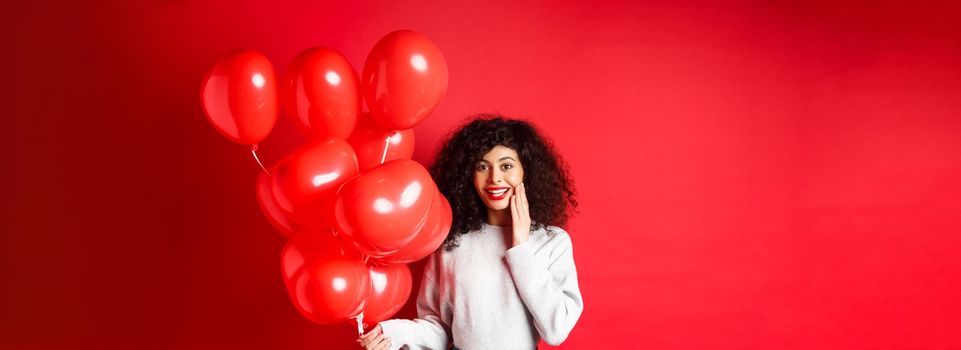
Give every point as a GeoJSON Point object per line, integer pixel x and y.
{"type": "Point", "coordinates": [482, 295]}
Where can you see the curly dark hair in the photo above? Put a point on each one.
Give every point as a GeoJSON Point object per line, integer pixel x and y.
{"type": "Point", "coordinates": [549, 185]}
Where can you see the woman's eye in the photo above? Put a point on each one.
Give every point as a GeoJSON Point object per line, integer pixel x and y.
{"type": "Point", "coordinates": [481, 167]}
{"type": "Point", "coordinates": [507, 166]}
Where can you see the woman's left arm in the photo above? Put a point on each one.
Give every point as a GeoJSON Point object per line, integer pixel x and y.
{"type": "Point", "coordinates": [547, 284]}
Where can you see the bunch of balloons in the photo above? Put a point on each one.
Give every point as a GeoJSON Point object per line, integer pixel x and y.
{"type": "Point", "coordinates": [354, 207]}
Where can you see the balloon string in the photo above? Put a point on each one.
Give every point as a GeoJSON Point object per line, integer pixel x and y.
{"type": "Point", "coordinates": [386, 145]}
{"type": "Point", "coordinates": [360, 323]}
{"type": "Point", "coordinates": [253, 150]}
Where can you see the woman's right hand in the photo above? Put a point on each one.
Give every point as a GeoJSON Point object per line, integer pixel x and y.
{"type": "Point", "coordinates": [374, 340]}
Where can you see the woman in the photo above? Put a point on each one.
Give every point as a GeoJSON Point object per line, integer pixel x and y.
{"type": "Point", "coordinates": [506, 277]}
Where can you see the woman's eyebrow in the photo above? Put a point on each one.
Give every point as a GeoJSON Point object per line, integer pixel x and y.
{"type": "Point", "coordinates": [502, 158]}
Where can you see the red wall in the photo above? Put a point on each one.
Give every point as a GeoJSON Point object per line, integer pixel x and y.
{"type": "Point", "coordinates": [751, 176]}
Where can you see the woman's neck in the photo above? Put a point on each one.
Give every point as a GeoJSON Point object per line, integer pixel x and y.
{"type": "Point", "coordinates": [499, 217]}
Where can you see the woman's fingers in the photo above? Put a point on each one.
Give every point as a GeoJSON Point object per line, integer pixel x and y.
{"type": "Point", "coordinates": [523, 206]}
{"type": "Point", "coordinates": [370, 336]}
{"type": "Point", "coordinates": [523, 212]}
{"type": "Point", "coordinates": [520, 199]}
{"type": "Point", "coordinates": [383, 343]}
{"type": "Point", "coordinates": [372, 342]}
{"type": "Point", "coordinates": [364, 341]}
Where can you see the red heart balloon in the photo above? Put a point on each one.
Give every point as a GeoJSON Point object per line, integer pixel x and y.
{"type": "Point", "coordinates": [309, 183]}
{"type": "Point", "coordinates": [239, 97]}
{"type": "Point", "coordinates": [430, 236]}
{"type": "Point", "coordinates": [381, 210]}
{"type": "Point", "coordinates": [390, 288]}
{"type": "Point", "coordinates": [405, 77]}
{"type": "Point", "coordinates": [331, 291]}
{"type": "Point", "coordinates": [327, 282]}
{"type": "Point", "coordinates": [322, 94]}
{"type": "Point", "coordinates": [368, 141]}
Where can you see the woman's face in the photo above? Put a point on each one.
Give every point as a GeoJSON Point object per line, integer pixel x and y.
{"type": "Point", "coordinates": [495, 176]}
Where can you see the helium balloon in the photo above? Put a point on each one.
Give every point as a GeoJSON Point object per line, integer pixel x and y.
{"type": "Point", "coordinates": [381, 210]}
{"type": "Point", "coordinates": [310, 182]}
{"type": "Point", "coordinates": [322, 94]}
{"type": "Point", "coordinates": [430, 236]}
{"type": "Point", "coordinates": [327, 281]}
{"type": "Point", "coordinates": [330, 291]}
{"type": "Point", "coordinates": [404, 78]}
{"type": "Point", "coordinates": [239, 97]}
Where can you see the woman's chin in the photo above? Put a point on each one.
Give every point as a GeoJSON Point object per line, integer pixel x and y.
{"type": "Point", "coordinates": [498, 205]}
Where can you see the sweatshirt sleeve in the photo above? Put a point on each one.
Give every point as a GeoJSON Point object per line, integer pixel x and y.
{"type": "Point", "coordinates": [428, 330]}
{"type": "Point", "coordinates": [546, 280]}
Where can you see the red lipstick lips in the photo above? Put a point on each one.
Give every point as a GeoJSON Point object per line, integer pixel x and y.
{"type": "Point", "coordinates": [496, 193]}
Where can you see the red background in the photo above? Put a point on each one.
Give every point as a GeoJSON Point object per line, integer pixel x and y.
{"type": "Point", "coordinates": [751, 175]}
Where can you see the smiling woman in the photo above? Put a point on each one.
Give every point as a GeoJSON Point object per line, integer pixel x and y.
{"type": "Point", "coordinates": [506, 277]}
{"type": "Point", "coordinates": [496, 174]}
{"type": "Point", "coordinates": [476, 153]}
